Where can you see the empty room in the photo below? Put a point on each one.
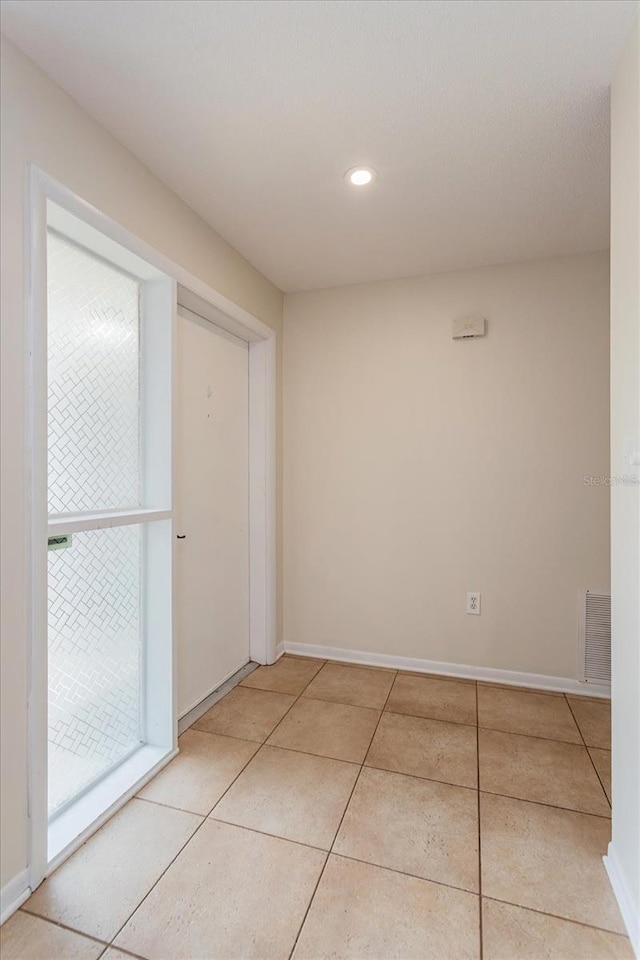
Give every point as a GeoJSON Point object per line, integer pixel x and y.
{"type": "Point", "coordinates": [320, 480]}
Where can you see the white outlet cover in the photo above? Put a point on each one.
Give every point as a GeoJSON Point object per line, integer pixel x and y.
{"type": "Point", "coordinates": [473, 603]}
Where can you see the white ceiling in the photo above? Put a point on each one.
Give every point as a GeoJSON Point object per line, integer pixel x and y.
{"type": "Point", "coordinates": [487, 121]}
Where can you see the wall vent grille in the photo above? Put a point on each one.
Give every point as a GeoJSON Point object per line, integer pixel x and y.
{"type": "Point", "coordinates": [596, 637]}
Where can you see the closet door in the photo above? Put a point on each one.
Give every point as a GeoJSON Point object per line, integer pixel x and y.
{"type": "Point", "coordinates": [212, 508]}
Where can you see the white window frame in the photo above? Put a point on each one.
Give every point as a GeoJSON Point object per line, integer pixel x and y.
{"type": "Point", "coordinates": [197, 296]}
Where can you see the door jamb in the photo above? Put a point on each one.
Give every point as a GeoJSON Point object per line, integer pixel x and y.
{"type": "Point", "coordinates": [203, 299]}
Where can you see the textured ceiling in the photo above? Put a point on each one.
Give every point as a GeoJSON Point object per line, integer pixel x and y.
{"type": "Point", "coordinates": [487, 121]}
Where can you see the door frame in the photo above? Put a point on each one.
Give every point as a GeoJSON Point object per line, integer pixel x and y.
{"type": "Point", "coordinates": [204, 300]}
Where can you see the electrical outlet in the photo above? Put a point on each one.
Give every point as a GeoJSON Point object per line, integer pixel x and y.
{"type": "Point", "coordinates": [473, 603]}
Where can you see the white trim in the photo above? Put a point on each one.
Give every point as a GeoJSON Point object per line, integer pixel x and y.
{"type": "Point", "coordinates": [630, 911]}
{"type": "Point", "coordinates": [13, 895]}
{"type": "Point", "coordinates": [262, 476]}
{"type": "Point", "coordinates": [488, 674]}
{"type": "Point", "coordinates": [99, 804]}
{"type": "Point", "coordinates": [229, 314]}
{"type": "Point", "coordinates": [280, 650]}
{"type": "Point", "coordinates": [72, 522]}
{"type": "Point", "coordinates": [36, 279]}
{"type": "Point", "coordinates": [194, 294]}
{"type": "Point", "coordinates": [262, 501]}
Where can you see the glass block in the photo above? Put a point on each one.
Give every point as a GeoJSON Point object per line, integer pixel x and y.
{"type": "Point", "coordinates": [94, 658]}
{"type": "Point", "coordinates": [93, 381]}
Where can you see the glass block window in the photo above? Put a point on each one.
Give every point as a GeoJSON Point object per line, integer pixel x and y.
{"type": "Point", "coordinates": [94, 382]}
{"type": "Point", "coordinates": [94, 658]}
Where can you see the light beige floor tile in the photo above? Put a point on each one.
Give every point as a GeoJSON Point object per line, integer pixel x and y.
{"type": "Point", "coordinates": [196, 779]}
{"type": "Point", "coordinates": [546, 771]}
{"type": "Point", "coordinates": [420, 827]}
{"type": "Point", "coordinates": [97, 888]}
{"type": "Point", "coordinates": [288, 675]}
{"type": "Point", "coordinates": [231, 893]}
{"type": "Point", "coordinates": [602, 761]}
{"type": "Point", "coordinates": [594, 719]}
{"type": "Point", "coordinates": [25, 937]}
{"type": "Point", "coordinates": [290, 795]}
{"type": "Point", "coordinates": [512, 933]}
{"type": "Point", "coordinates": [112, 954]}
{"type": "Point", "coordinates": [327, 730]}
{"type": "Point", "coordinates": [547, 859]}
{"type": "Point", "coordinates": [246, 714]}
{"type": "Point", "coordinates": [425, 748]}
{"type": "Point", "coordinates": [360, 911]}
{"type": "Point", "coordinates": [437, 699]}
{"type": "Point", "coordinates": [534, 714]}
{"type": "Point", "coordinates": [359, 687]}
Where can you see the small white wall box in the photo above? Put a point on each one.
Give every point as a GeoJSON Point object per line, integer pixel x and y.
{"type": "Point", "coordinates": [467, 327]}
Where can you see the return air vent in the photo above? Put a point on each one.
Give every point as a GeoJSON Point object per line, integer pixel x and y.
{"type": "Point", "coordinates": [595, 637]}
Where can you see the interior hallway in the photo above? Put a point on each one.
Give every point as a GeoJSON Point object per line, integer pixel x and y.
{"type": "Point", "coordinates": [322, 810]}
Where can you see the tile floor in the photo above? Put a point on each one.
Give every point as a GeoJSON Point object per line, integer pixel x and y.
{"type": "Point", "coordinates": [330, 811]}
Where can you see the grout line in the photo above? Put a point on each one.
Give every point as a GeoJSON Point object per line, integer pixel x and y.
{"type": "Point", "coordinates": [291, 706]}
{"type": "Point", "coordinates": [306, 753]}
{"type": "Point", "coordinates": [416, 776]}
{"type": "Point", "coordinates": [552, 806]}
{"type": "Point", "coordinates": [154, 885]}
{"type": "Point", "coordinates": [214, 733]}
{"type": "Point", "coordinates": [311, 899]}
{"type": "Point", "coordinates": [403, 873]}
{"type": "Point", "coordinates": [273, 836]}
{"type": "Point", "coordinates": [170, 806]}
{"type": "Point", "coordinates": [479, 826]}
{"type": "Point", "coordinates": [286, 693]}
{"type": "Point", "coordinates": [362, 765]}
{"type": "Point", "coordinates": [339, 703]}
{"type": "Point", "coordinates": [415, 716]}
{"type": "Point", "coordinates": [126, 953]}
{"type": "Point", "coordinates": [531, 736]}
{"type": "Point", "coordinates": [587, 749]}
{"type": "Point", "coordinates": [369, 766]}
{"type": "Point", "coordinates": [342, 703]}
{"type": "Point", "coordinates": [344, 813]}
{"type": "Point", "coordinates": [557, 916]}
{"type": "Point", "coordinates": [421, 716]}
{"type": "Point", "coordinates": [261, 742]}
{"type": "Point", "coordinates": [63, 926]}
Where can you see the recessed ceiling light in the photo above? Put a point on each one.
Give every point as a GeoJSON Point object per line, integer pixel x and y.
{"type": "Point", "coordinates": [360, 176]}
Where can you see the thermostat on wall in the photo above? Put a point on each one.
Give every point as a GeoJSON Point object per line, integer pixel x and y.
{"type": "Point", "coordinates": [465, 327]}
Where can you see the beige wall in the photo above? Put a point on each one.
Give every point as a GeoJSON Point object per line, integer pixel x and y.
{"type": "Point", "coordinates": [625, 498]}
{"type": "Point", "coordinates": [40, 123]}
{"type": "Point", "coordinates": [417, 468]}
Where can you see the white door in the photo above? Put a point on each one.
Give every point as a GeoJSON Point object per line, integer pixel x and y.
{"type": "Point", "coordinates": [212, 508]}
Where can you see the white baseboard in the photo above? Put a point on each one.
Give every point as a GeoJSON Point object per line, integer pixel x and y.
{"type": "Point", "coordinates": [488, 674]}
{"type": "Point", "coordinates": [630, 911]}
{"type": "Point", "coordinates": [14, 894]}
{"type": "Point", "coordinates": [279, 650]}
